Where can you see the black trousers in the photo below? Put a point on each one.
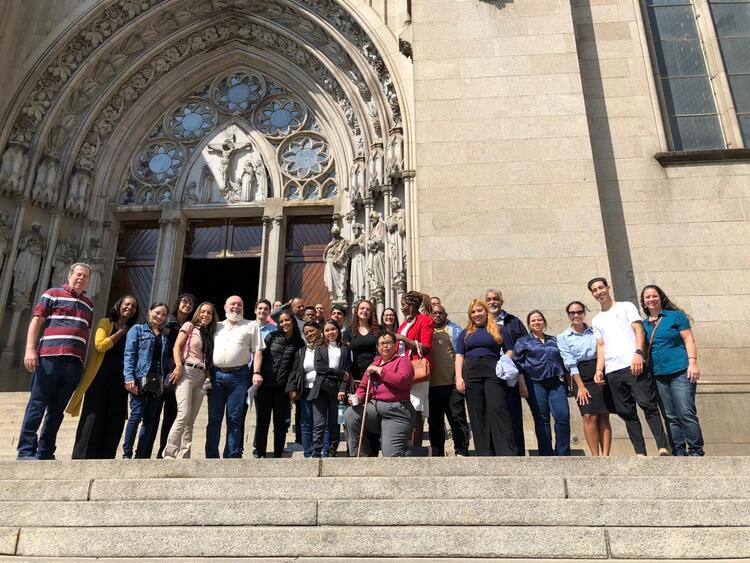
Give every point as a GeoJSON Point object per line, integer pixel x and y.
{"type": "Point", "coordinates": [446, 402]}
{"type": "Point", "coordinates": [513, 402]}
{"type": "Point", "coordinates": [627, 391]}
{"type": "Point", "coordinates": [488, 410]}
{"type": "Point", "coordinates": [271, 401]}
{"type": "Point", "coordinates": [168, 413]}
{"type": "Point", "coordinates": [105, 409]}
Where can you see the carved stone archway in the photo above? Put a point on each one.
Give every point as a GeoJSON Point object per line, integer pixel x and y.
{"type": "Point", "coordinates": [94, 99]}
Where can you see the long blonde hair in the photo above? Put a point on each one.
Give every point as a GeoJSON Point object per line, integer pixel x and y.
{"type": "Point", "coordinates": [491, 324]}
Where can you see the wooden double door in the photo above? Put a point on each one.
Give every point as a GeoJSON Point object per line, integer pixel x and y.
{"type": "Point", "coordinates": [222, 257]}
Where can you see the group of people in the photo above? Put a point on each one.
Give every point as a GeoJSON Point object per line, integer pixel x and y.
{"type": "Point", "coordinates": [379, 377]}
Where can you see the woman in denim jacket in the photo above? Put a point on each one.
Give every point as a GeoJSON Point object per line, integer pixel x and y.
{"type": "Point", "coordinates": [146, 352]}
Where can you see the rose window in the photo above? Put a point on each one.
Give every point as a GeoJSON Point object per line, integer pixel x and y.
{"type": "Point", "coordinates": [159, 162]}
{"type": "Point", "coordinates": [240, 92]}
{"type": "Point", "coordinates": [281, 116]}
{"type": "Point", "coordinates": [305, 156]}
{"type": "Point", "coordinates": [191, 121]}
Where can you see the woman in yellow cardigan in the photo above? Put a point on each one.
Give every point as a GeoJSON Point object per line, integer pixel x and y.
{"type": "Point", "coordinates": [105, 407]}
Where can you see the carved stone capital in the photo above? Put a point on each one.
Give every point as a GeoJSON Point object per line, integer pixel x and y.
{"type": "Point", "coordinates": [266, 220]}
{"type": "Point", "coordinates": [171, 221]}
{"type": "Point", "coordinates": [278, 220]}
{"type": "Point", "coordinates": [409, 174]}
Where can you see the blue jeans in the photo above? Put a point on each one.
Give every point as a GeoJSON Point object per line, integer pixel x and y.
{"type": "Point", "coordinates": [306, 425]}
{"type": "Point", "coordinates": [144, 411]}
{"type": "Point", "coordinates": [52, 385]}
{"type": "Point", "coordinates": [545, 397]}
{"type": "Point", "coordinates": [677, 399]}
{"type": "Point", "coordinates": [230, 393]}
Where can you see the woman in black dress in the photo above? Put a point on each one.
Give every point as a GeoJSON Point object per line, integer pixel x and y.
{"type": "Point", "coordinates": [105, 405]}
{"type": "Point", "coordinates": [362, 339]}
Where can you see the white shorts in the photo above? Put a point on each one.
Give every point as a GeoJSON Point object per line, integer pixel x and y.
{"type": "Point", "coordinates": [420, 394]}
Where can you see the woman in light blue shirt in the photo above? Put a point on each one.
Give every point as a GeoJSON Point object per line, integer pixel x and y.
{"type": "Point", "coordinates": [673, 361]}
{"type": "Point", "coordinates": [577, 347]}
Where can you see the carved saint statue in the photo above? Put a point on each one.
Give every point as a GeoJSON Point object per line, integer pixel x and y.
{"type": "Point", "coordinates": [396, 227]}
{"type": "Point", "coordinates": [94, 257]}
{"type": "Point", "coordinates": [376, 257]}
{"type": "Point", "coordinates": [206, 185]}
{"type": "Point", "coordinates": [13, 169]}
{"type": "Point", "coordinates": [47, 180]}
{"type": "Point", "coordinates": [227, 149]}
{"type": "Point", "coordinates": [358, 270]}
{"type": "Point", "coordinates": [191, 194]}
{"type": "Point", "coordinates": [6, 235]}
{"type": "Point", "coordinates": [78, 192]}
{"type": "Point", "coordinates": [336, 256]}
{"type": "Point", "coordinates": [30, 252]}
{"type": "Point", "coordinates": [357, 181]}
{"type": "Point", "coordinates": [395, 156]}
{"type": "Point", "coordinates": [66, 254]}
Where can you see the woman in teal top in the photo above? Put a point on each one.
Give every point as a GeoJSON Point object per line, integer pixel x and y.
{"type": "Point", "coordinates": [673, 361]}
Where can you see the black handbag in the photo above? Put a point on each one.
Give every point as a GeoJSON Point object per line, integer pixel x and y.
{"type": "Point", "coordinates": [152, 384]}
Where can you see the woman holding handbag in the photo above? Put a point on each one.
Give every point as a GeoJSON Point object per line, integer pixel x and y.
{"type": "Point", "coordinates": [146, 368]}
{"type": "Point", "coordinates": [673, 361]}
{"type": "Point", "coordinates": [192, 352]}
{"type": "Point", "coordinates": [478, 349]}
{"type": "Point", "coordinates": [414, 338]}
{"type": "Point", "coordinates": [332, 365]}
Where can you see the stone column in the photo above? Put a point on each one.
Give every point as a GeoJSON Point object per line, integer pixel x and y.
{"type": "Point", "coordinates": [168, 255]}
{"type": "Point", "coordinates": [276, 257]}
{"type": "Point", "coordinates": [368, 209]}
{"type": "Point", "coordinates": [263, 282]}
{"type": "Point", "coordinates": [6, 277]}
{"type": "Point", "coordinates": [411, 230]}
{"type": "Point", "coordinates": [388, 297]}
{"type": "Point", "coordinates": [54, 232]}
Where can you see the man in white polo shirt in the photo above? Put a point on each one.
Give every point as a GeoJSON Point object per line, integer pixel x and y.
{"type": "Point", "coordinates": [236, 342]}
{"type": "Point", "coordinates": [620, 343]}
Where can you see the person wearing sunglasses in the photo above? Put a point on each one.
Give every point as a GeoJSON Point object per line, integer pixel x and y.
{"type": "Point", "coordinates": [577, 345]}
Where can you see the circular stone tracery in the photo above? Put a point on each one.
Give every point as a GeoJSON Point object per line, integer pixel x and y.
{"type": "Point", "coordinates": [159, 162]}
{"type": "Point", "coordinates": [238, 93]}
{"type": "Point", "coordinates": [280, 116]}
{"type": "Point", "coordinates": [306, 155]}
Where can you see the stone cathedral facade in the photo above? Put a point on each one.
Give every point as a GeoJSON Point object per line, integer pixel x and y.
{"type": "Point", "coordinates": [341, 149]}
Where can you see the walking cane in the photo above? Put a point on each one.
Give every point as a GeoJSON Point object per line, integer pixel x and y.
{"type": "Point", "coordinates": [364, 416]}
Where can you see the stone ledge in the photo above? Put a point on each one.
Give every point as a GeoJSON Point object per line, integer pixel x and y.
{"type": "Point", "coordinates": [321, 541]}
{"type": "Point", "coordinates": [8, 540]}
{"type": "Point", "coordinates": [675, 543]}
{"type": "Point", "coordinates": [713, 156]}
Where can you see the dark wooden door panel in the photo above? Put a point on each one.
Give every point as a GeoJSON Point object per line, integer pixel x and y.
{"type": "Point", "coordinates": [307, 238]}
{"type": "Point", "coordinates": [135, 280]}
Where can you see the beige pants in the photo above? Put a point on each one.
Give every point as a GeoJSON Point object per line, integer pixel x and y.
{"type": "Point", "coordinates": [189, 395]}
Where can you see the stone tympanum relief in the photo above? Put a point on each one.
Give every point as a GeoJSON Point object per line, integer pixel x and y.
{"type": "Point", "coordinates": [243, 126]}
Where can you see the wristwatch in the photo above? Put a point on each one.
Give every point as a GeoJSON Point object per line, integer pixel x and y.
{"type": "Point", "coordinates": [639, 352]}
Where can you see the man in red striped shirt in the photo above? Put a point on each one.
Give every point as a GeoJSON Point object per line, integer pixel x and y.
{"type": "Point", "coordinates": [63, 315]}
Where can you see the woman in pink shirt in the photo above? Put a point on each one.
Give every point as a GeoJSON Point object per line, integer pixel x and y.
{"type": "Point", "coordinates": [389, 411]}
{"type": "Point", "coordinates": [193, 352]}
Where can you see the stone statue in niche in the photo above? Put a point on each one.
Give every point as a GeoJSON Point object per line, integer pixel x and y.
{"type": "Point", "coordinates": [395, 155]}
{"type": "Point", "coordinates": [78, 192]}
{"type": "Point", "coordinates": [47, 181]}
{"type": "Point", "coordinates": [13, 169]}
{"type": "Point", "coordinates": [206, 184]}
{"type": "Point", "coordinates": [358, 269]}
{"type": "Point", "coordinates": [66, 253]}
{"type": "Point", "coordinates": [253, 181]}
{"type": "Point", "coordinates": [94, 257]}
{"type": "Point", "coordinates": [376, 169]}
{"type": "Point", "coordinates": [396, 227]}
{"type": "Point", "coordinates": [376, 257]}
{"type": "Point", "coordinates": [336, 257]}
{"type": "Point", "coordinates": [6, 235]}
{"type": "Point", "coordinates": [357, 181]}
{"type": "Point", "coordinates": [191, 194]}
{"type": "Point", "coordinates": [165, 198]}
{"type": "Point", "coordinates": [128, 196]}
{"type": "Point", "coordinates": [31, 249]}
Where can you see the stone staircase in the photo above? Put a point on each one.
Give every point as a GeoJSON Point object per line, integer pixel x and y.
{"type": "Point", "coordinates": [528, 509]}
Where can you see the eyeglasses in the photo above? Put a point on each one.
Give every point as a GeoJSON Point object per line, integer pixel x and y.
{"type": "Point", "coordinates": [574, 313]}
{"type": "Point", "coordinates": [387, 344]}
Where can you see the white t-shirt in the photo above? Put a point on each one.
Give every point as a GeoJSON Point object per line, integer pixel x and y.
{"type": "Point", "coordinates": [614, 328]}
{"type": "Point", "coordinates": [309, 365]}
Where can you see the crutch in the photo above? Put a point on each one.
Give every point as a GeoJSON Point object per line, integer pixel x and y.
{"type": "Point", "coordinates": [364, 417]}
